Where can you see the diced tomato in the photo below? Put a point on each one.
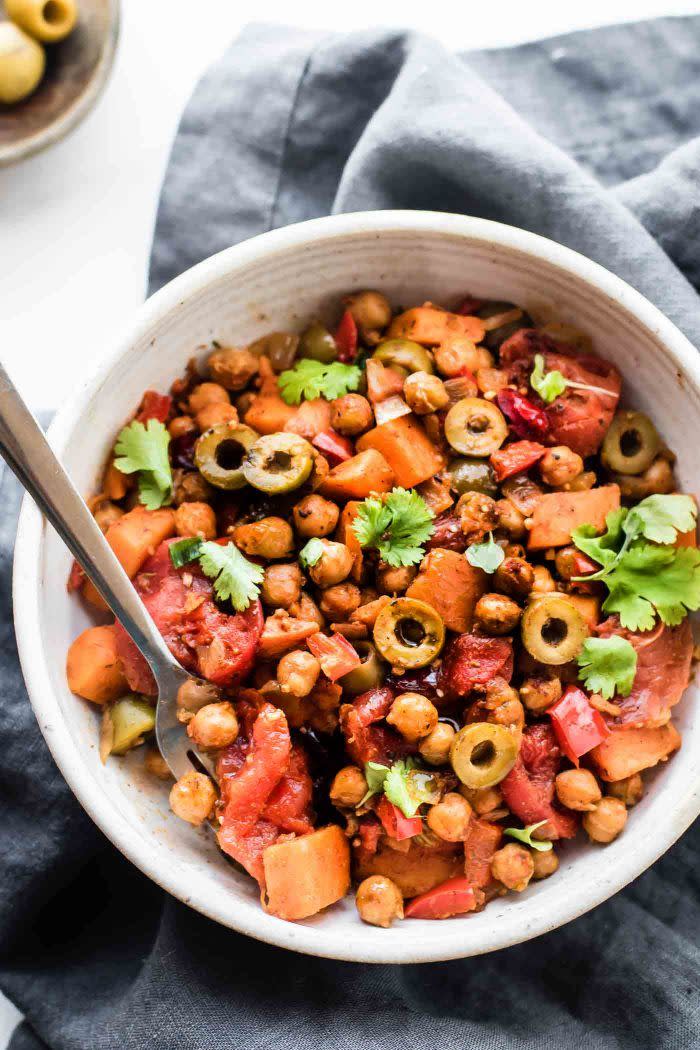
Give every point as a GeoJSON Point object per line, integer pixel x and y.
{"type": "Point", "coordinates": [526, 419]}
{"type": "Point", "coordinates": [396, 825]}
{"type": "Point", "coordinates": [578, 726]}
{"type": "Point", "coordinates": [335, 654]}
{"type": "Point", "coordinates": [346, 338]}
{"type": "Point", "coordinates": [154, 406]}
{"type": "Point", "coordinates": [516, 458]}
{"type": "Point", "coordinates": [454, 897]}
{"type": "Point", "coordinates": [334, 446]}
{"type": "Point", "coordinates": [529, 787]}
{"type": "Point", "coordinates": [448, 533]}
{"type": "Point", "coordinates": [470, 660]}
{"type": "Point", "coordinates": [365, 741]}
{"type": "Point", "coordinates": [369, 832]}
{"type": "Point", "coordinates": [482, 841]}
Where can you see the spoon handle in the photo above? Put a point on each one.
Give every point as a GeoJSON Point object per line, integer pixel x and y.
{"type": "Point", "coordinates": [28, 453]}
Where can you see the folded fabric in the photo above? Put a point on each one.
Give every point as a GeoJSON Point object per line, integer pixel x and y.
{"type": "Point", "coordinates": [588, 139]}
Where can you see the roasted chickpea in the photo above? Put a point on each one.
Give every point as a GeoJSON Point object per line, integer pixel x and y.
{"type": "Point", "coordinates": [565, 561]}
{"type": "Point", "coordinates": [195, 519]}
{"type": "Point", "coordinates": [333, 566]}
{"type": "Point", "coordinates": [514, 576]}
{"type": "Point", "coordinates": [379, 901]}
{"type": "Point", "coordinates": [315, 516]}
{"type": "Point", "coordinates": [449, 819]}
{"type": "Point", "coordinates": [606, 821]}
{"type": "Point", "coordinates": [629, 790]}
{"type": "Point", "coordinates": [192, 798]}
{"type": "Point", "coordinates": [207, 394]}
{"type": "Point", "coordinates": [514, 866]}
{"type": "Point", "coordinates": [212, 415]}
{"type": "Point", "coordinates": [371, 312]}
{"type": "Point", "coordinates": [435, 747]}
{"type": "Point", "coordinates": [107, 513]}
{"type": "Point", "coordinates": [482, 800]}
{"type": "Point", "coordinates": [425, 393]}
{"type": "Point", "coordinates": [349, 787]}
{"type": "Point", "coordinates": [656, 479]}
{"type": "Point", "coordinates": [281, 586]}
{"type": "Point", "coordinates": [503, 704]}
{"type": "Point", "coordinates": [190, 487]}
{"type": "Point", "coordinates": [578, 789]}
{"type": "Point", "coordinates": [214, 726]}
{"type": "Point", "coordinates": [156, 765]}
{"type": "Point", "coordinates": [543, 582]}
{"type": "Point", "coordinates": [395, 580]}
{"type": "Point", "coordinates": [307, 609]}
{"type": "Point", "coordinates": [477, 515]}
{"type": "Point", "coordinates": [458, 354]}
{"type": "Point", "coordinates": [510, 519]}
{"type": "Point", "coordinates": [351, 414]}
{"type": "Point", "coordinates": [297, 672]}
{"type": "Point", "coordinates": [497, 614]}
{"type": "Point", "coordinates": [582, 482]}
{"type": "Point", "coordinates": [560, 465]}
{"type": "Point", "coordinates": [182, 425]}
{"type": "Point", "coordinates": [413, 715]}
{"type": "Point", "coordinates": [268, 538]}
{"type": "Point", "coordinates": [538, 692]}
{"type": "Point", "coordinates": [232, 368]}
{"type": "Point", "coordinates": [546, 863]}
{"type": "Point", "coordinates": [339, 601]}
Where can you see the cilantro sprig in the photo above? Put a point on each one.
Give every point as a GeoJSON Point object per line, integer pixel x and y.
{"type": "Point", "coordinates": [311, 552]}
{"type": "Point", "coordinates": [525, 835]}
{"type": "Point", "coordinates": [397, 526]}
{"type": "Point", "coordinates": [608, 665]}
{"type": "Point", "coordinates": [486, 555]}
{"type": "Point", "coordinates": [235, 578]}
{"type": "Point", "coordinates": [403, 783]}
{"type": "Point", "coordinates": [311, 379]}
{"type": "Point", "coordinates": [143, 450]}
{"type": "Point", "coordinates": [551, 385]}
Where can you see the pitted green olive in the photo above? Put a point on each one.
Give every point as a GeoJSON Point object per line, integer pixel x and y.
{"type": "Point", "coordinates": [278, 463]}
{"type": "Point", "coordinates": [475, 427]}
{"type": "Point", "coordinates": [279, 347]}
{"type": "Point", "coordinates": [131, 719]}
{"type": "Point", "coordinates": [318, 343]}
{"type": "Point", "coordinates": [472, 475]}
{"type": "Point", "coordinates": [369, 675]}
{"type": "Point", "coordinates": [553, 629]}
{"type": "Point", "coordinates": [409, 633]}
{"type": "Point", "coordinates": [631, 443]}
{"type": "Point", "coordinates": [483, 753]}
{"type": "Point", "coordinates": [219, 453]}
{"type": "Point", "coordinates": [404, 353]}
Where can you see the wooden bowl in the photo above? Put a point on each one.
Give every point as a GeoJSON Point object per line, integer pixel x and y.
{"type": "Point", "coordinates": [76, 72]}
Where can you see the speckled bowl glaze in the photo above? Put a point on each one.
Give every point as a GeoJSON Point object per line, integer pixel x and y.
{"type": "Point", "coordinates": [276, 281]}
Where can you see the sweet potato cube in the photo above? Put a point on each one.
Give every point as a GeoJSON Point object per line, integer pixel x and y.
{"type": "Point", "coordinates": [451, 585]}
{"type": "Point", "coordinates": [306, 874]}
{"type": "Point", "coordinates": [629, 751]}
{"type": "Point", "coordinates": [557, 514]}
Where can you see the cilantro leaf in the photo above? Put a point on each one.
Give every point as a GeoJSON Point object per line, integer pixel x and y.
{"type": "Point", "coordinates": [648, 578]}
{"type": "Point", "coordinates": [603, 549]}
{"type": "Point", "coordinates": [549, 385]}
{"type": "Point", "coordinates": [311, 552]}
{"type": "Point", "coordinates": [143, 450]}
{"type": "Point", "coordinates": [182, 552]}
{"type": "Point", "coordinates": [235, 577]}
{"type": "Point", "coordinates": [397, 527]}
{"type": "Point", "coordinates": [408, 787]}
{"type": "Point", "coordinates": [608, 665]}
{"type": "Point", "coordinates": [525, 835]}
{"type": "Point", "coordinates": [661, 518]}
{"type": "Point", "coordinates": [311, 379]}
{"type": "Point", "coordinates": [375, 775]}
{"type": "Point", "coordinates": [486, 555]}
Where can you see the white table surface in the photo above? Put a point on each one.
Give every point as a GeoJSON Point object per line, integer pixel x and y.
{"type": "Point", "coordinates": [76, 222]}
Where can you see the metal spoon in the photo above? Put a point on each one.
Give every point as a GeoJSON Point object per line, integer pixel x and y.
{"type": "Point", "coordinates": [27, 452]}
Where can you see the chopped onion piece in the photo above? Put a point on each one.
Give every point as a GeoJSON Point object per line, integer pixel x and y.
{"type": "Point", "coordinates": [393, 408]}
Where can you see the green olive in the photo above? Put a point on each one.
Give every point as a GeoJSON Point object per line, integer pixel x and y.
{"type": "Point", "coordinates": [278, 463]}
{"type": "Point", "coordinates": [22, 63]}
{"type": "Point", "coordinates": [472, 475]}
{"type": "Point", "coordinates": [280, 348]}
{"type": "Point", "coordinates": [497, 336]}
{"type": "Point", "coordinates": [131, 719]}
{"type": "Point", "coordinates": [631, 443]}
{"type": "Point", "coordinates": [409, 633]}
{"type": "Point", "coordinates": [483, 753]}
{"type": "Point", "coordinates": [318, 343]}
{"type": "Point", "coordinates": [553, 629]}
{"type": "Point", "coordinates": [219, 454]}
{"type": "Point", "coordinates": [475, 427]}
{"type": "Point", "coordinates": [403, 353]}
{"type": "Point", "coordinates": [369, 675]}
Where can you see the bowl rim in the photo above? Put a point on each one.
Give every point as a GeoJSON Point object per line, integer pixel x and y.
{"type": "Point", "coordinates": [315, 940]}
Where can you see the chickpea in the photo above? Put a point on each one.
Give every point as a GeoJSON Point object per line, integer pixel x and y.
{"type": "Point", "coordinates": [214, 726]}
{"type": "Point", "coordinates": [578, 789]}
{"type": "Point", "coordinates": [544, 581]}
{"type": "Point", "coordinates": [504, 705]}
{"type": "Point", "coordinates": [560, 465]}
{"type": "Point", "coordinates": [218, 412]}
{"type": "Point", "coordinates": [629, 790]}
{"type": "Point", "coordinates": [510, 519]}
{"type": "Point", "coordinates": [192, 798]}
{"type": "Point", "coordinates": [107, 513]}
{"type": "Point", "coordinates": [606, 821]}
{"type": "Point", "coordinates": [307, 609]}
{"type": "Point", "coordinates": [582, 482]}
{"type": "Point", "coordinates": [482, 800]}
{"type": "Point", "coordinates": [349, 787]}
{"type": "Point", "coordinates": [232, 368]}
{"type": "Point", "coordinates": [339, 601]}
{"type": "Point", "coordinates": [435, 747]}
{"type": "Point", "coordinates": [371, 312]}
{"type": "Point", "coordinates": [565, 562]}
{"type": "Point", "coordinates": [156, 765]}
{"type": "Point", "coordinates": [190, 487]}
{"type": "Point", "coordinates": [315, 516]}
{"type": "Point", "coordinates": [539, 692]}
{"type": "Point", "coordinates": [513, 866]}
{"type": "Point", "coordinates": [395, 580]}
{"type": "Point", "coordinates": [207, 394]}
{"type": "Point", "coordinates": [449, 819]}
{"type": "Point", "coordinates": [497, 614]}
{"type": "Point", "coordinates": [413, 715]}
{"type": "Point", "coordinates": [351, 414]}
{"type": "Point", "coordinates": [477, 515]}
{"type": "Point", "coordinates": [281, 586]}
{"type": "Point", "coordinates": [425, 393]}
{"type": "Point", "coordinates": [656, 479]}
{"type": "Point", "coordinates": [546, 863]}
{"type": "Point", "coordinates": [297, 672]}
{"type": "Point", "coordinates": [379, 901]}
{"type": "Point", "coordinates": [333, 566]}
{"type": "Point", "coordinates": [267, 538]}
{"type": "Point", "coordinates": [514, 576]}
{"type": "Point", "coordinates": [181, 425]}
{"type": "Point", "coordinates": [457, 355]}
{"type": "Point", "coordinates": [195, 519]}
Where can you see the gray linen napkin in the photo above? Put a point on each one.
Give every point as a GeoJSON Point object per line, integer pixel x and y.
{"type": "Point", "coordinates": [589, 139]}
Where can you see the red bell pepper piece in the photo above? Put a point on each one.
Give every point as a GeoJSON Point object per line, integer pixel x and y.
{"type": "Point", "coordinates": [335, 654]}
{"type": "Point", "coordinates": [396, 825]}
{"type": "Point", "coordinates": [346, 338]}
{"type": "Point", "coordinates": [578, 726]}
{"type": "Point", "coordinates": [454, 897]}
{"type": "Point", "coordinates": [526, 419]}
{"type": "Point", "coordinates": [516, 458]}
{"type": "Point", "coordinates": [154, 406]}
{"type": "Point", "coordinates": [334, 446]}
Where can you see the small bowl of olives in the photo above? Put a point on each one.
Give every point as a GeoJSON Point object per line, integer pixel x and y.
{"type": "Point", "coordinates": [55, 58]}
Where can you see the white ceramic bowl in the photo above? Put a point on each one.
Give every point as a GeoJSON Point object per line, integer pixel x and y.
{"type": "Point", "coordinates": [276, 281]}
